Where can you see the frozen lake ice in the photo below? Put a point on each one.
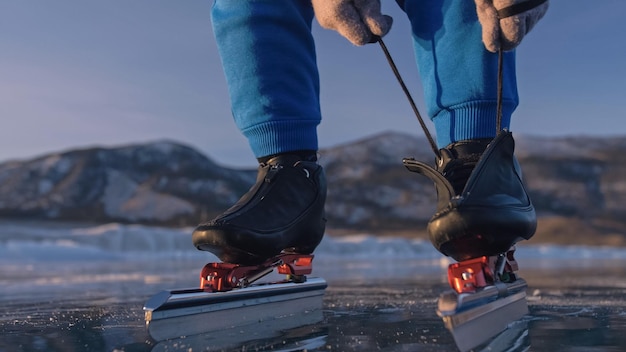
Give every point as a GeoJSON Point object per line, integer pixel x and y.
{"type": "Point", "coordinates": [73, 287]}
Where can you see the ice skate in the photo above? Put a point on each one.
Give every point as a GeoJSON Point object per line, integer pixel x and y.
{"type": "Point", "coordinates": [273, 228]}
{"type": "Point", "coordinates": [482, 211]}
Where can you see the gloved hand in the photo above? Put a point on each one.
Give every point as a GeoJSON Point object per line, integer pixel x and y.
{"type": "Point", "coordinates": [506, 22]}
{"type": "Point", "coordinates": [360, 21]}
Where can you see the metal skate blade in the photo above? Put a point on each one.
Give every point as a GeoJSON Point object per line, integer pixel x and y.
{"type": "Point", "coordinates": [474, 318]}
{"type": "Point", "coordinates": [172, 314]}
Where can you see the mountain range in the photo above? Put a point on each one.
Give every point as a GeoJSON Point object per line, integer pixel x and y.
{"type": "Point", "coordinates": [578, 185]}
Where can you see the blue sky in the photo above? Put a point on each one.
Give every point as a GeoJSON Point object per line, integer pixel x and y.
{"type": "Point", "coordinates": [77, 73]}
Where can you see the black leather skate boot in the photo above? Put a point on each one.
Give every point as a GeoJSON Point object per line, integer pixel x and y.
{"type": "Point", "coordinates": [482, 207]}
{"type": "Point", "coordinates": [284, 210]}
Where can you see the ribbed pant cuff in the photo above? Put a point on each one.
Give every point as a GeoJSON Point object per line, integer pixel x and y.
{"type": "Point", "coordinates": [282, 136]}
{"type": "Point", "coordinates": [470, 121]}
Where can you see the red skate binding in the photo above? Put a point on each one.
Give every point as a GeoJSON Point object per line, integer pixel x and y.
{"type": "Point", "coordinates": [470, 275]}
{"type": "Point", "coordinates": [221, 277]}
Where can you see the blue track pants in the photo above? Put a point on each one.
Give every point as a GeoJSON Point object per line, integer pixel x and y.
{"type": "Point", "coordinates": [268, 55]}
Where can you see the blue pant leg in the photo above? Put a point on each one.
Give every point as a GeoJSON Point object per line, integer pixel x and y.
{"type": "Point", "coordinates": [459, 75]}
{"type": "Point", "coordinates": [268, 56]}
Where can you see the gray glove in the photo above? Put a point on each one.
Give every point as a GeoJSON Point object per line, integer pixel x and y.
{"type": "Point", "coordinates": [360, 21]}
{"type": "Point", "coordinates": [506, 22]}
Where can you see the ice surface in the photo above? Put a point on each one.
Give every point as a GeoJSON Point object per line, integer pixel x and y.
{"type": "Point", "coordinates": [76, 287]}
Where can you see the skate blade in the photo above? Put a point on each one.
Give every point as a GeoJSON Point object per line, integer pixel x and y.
{"type": "Point", "coordinates": [474, 318]}
{"type": "Point", "coordinates": [172, 314]}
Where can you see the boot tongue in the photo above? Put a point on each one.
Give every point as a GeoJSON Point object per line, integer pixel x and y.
{"type": "Point", "coordinates": [469, 148]}
{"type": "Point", "coordinates": [459, 159]}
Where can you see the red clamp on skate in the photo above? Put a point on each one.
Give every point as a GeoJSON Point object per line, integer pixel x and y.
{"type": "Point", "coordinates": [470, 275]}
{"type": "Point", "coordinates": [220, 277]}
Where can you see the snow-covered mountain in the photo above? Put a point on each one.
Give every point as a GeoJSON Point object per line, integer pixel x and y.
{"type": "Point", "coordinates": [581, 179]}
{"type": "Point", "coordinates": [162, 182]}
